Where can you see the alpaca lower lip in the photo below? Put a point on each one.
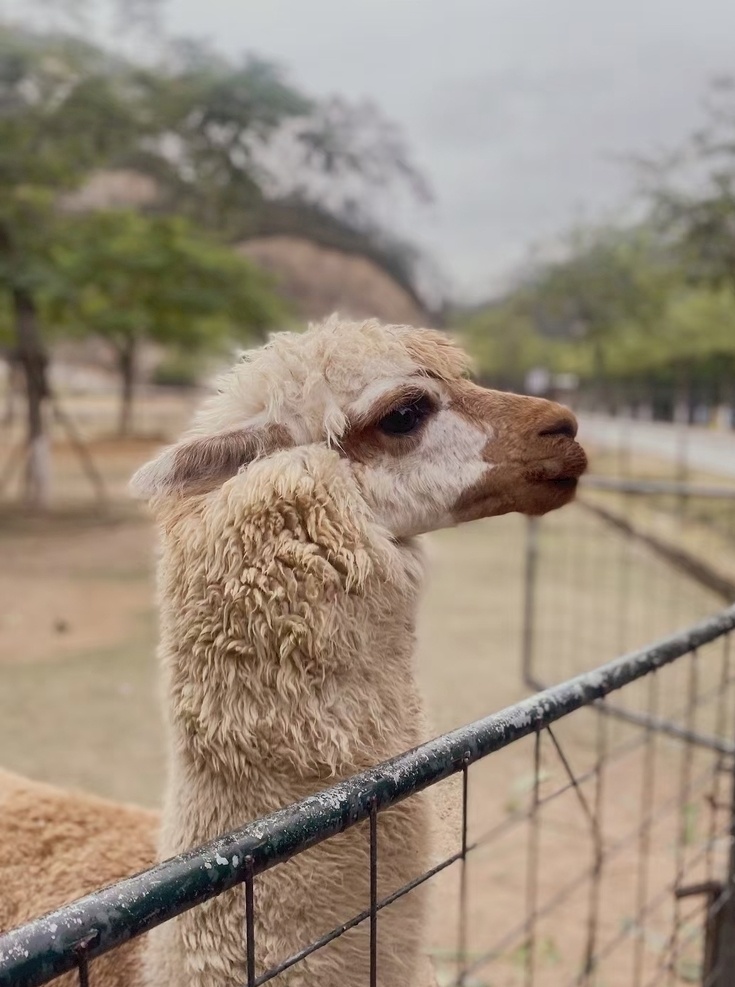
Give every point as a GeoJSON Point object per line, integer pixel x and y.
{"type": "Point", "coordinates": [565, 482]}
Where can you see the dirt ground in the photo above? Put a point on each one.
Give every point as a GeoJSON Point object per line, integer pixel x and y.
{"type": "Point", "coordinates": [79, 704]}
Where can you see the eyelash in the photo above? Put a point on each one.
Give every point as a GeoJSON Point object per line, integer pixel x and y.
{"type": "Point", "coordinates": [406, 417]}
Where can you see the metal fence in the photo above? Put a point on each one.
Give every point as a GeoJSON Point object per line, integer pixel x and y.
{"type": "Point", "coordinates": [634, 558]}
{"type": "Point", "coordinates": [623, 832]}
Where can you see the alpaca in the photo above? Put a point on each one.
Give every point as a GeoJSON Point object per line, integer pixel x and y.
{"type": "Point", "coordinates": [59, 845]}
{"type": "Point", "coordinates": [289, 575]}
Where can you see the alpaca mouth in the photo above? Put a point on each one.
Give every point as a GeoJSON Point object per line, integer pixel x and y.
{"type": "Point", "coordinates": [564, 482]}
{"type": "Point", "coordinates": [566, 474]}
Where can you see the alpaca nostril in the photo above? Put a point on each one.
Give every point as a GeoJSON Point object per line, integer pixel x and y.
{"type": "Point", "coordinates": [565, 425]}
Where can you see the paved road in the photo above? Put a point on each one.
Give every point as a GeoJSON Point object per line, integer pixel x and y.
{"type": "Point", "coordinates": [705, 449]}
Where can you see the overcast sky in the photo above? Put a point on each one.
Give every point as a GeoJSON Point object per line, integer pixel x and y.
{"type": "Point", "coordinates": [517, 110]}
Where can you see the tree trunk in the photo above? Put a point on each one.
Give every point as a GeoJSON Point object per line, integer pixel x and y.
{"type": "Point", "coordinates": [33, 360]}
{"type": "Point", "coordinates": [11, 362]}
{"type": "Point", "coordinates": [126, 365]}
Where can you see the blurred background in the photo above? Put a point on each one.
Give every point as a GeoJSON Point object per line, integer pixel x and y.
{"type": "Point", "coordinates": [550, 181]}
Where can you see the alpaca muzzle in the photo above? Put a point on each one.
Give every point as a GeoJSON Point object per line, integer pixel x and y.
{"type": "Point", "coordinates": [534, 460]}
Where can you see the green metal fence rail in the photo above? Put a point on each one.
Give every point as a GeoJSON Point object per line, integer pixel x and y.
{"type": "Point", "coordinates": [69, 937]}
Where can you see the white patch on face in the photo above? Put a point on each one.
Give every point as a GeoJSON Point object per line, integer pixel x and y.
{"type": "Point", "coordinates": [415, 493]}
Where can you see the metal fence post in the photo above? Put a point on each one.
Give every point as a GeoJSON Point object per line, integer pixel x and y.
{"type": "Point", "coordinates": [529, 598]}
{"type": "Point", "coordinates": [721, 930]}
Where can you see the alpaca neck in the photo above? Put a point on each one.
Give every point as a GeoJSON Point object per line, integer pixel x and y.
{"type": "Point", "coordinates": [275, 697]}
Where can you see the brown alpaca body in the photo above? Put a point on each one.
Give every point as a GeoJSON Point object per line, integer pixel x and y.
{"type": "Point", "coordinates": [59, 845]}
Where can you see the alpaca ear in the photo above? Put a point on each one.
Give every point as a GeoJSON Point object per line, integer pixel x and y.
{"type": "Point", "coordinates": [200, 464]}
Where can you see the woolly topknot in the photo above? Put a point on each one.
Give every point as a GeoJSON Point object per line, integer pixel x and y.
{"type": "Point", "coordinates": [307, 380]}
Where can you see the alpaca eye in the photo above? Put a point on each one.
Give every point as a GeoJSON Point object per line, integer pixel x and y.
{"type": "Point", "coordinates": [405, 418]}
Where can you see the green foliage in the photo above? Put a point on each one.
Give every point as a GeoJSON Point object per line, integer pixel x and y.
{"type": "Point", "coordinates": [6, 322]}
{"type": "Point", "coordinates": [178, 369]}
{"type": "Point", "coordinates": [605, 277]}
{"type": "Point", "coordinates": [219, 117]}
{"type": "Point", "coordinates": [698, 324]}
{"type": "Point", "coordinates": [126, 278]}
{"type": "Point", "coordinates": [232, 146]}
{"type": "Point", "coordinates": [66, 106]}
{"type": "Point", "coordinates": [506, 344]}
{"type": "Point", "coordinates": [654, 304]}
{"type": "Point", "coordinates": [620, 305]}
{"type": "Point", "coordinates": [130, 279]}
{"type": "Point", "coordinates": [215, 136]}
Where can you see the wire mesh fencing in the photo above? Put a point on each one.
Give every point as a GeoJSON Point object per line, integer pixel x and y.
{"type": "Point", "coordinates": [677, 480]}
{"type": "Point", "coordinates": [621, 835]}
{"type": "Point", "coordinates": [636, 557]}
{"type": "Point", "coordinates": [621, 567]}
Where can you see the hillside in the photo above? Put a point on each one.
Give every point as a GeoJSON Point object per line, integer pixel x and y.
{"type": "Point", "coordinates": [317, 280]}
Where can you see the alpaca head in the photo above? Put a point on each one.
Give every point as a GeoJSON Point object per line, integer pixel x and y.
{"type": "Point", "coordinates": [427, 447]}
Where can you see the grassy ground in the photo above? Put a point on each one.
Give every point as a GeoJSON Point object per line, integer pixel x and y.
{"type": "Point", "coordinates": [79, 705]}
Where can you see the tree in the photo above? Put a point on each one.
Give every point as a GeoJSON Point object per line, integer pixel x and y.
{"type": "Point", "coordinates": [649, 307]}
{"type": "Point", "coordinates": [604, 277]}
{"type": "Point", "coordinates": [691, 197]}
{"type": "Point", "coordinates": [692, 345]}
{"type": "Point", "coordinates": [213, 134]}
{"type": "Point", "coordinates": [506, 344]}
{"type": "Point", "coordinates": [64, 108]}
{"type": "Point", "coordinates": [243, 152]}
{"type": "Point", "coordinates": [692, 194]}
{"type": "Point", "coordinates": [131, 279]}
{"type": "Point", "coordinates": [607, 279]}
